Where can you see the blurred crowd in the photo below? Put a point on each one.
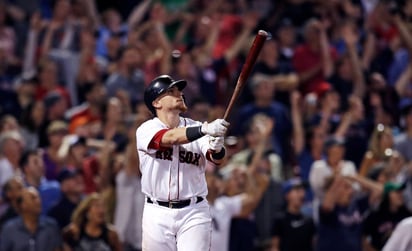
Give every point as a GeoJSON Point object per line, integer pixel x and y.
{"type": "Point", "coordinates": [319, 148]}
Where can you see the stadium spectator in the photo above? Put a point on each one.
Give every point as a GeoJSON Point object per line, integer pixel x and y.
{"type": "Point", "coordinates": [129, 77]}
{"type": "Point", "coordinates": [292, 230]}
{"type": "Point", "coordinates": [252, 141]}
{"type": "Point", "coordinates": [11, 149]}
{"type": "Point", "coordinates": [341, 215]}
{"type": "Point", "coordinates": [88, 228]}
{"type": "Point", "coordinates": [314, 59]}
{"type": "Point", "coordinates": [333, 164]}
{"type": "Point", "coordinates": [263, 89]}
{"type": "Point", "coordinates": [380, 147]}
{"type": "Point", "coordinates": [380, 224]}
{"type": "Point", "coordinates": [52, 161]}
{"type": "Point", "coordinates": [72, 192]}
{"type": "Point", "coordinates": [32, 166]}
{"type": "Point", "coordinates": [31, 231]}
{"type": "Point", "coordinates": [128, 210]}
{"type": "Point", "coordinates": [11, 192]}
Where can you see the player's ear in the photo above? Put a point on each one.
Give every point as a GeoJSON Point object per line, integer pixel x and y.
{"type": "Point", "coordinates": [156, 103]}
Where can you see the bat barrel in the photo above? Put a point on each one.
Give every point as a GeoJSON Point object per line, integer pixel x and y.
{"type": "Point", "coordinates": [254, 51]}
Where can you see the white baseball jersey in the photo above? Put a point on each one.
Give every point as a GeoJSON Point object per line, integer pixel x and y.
{"type": "Point", "coordinates": [222, 211]}
{"type": "Point", "coordinates": [175, 173]}
{"type": "Point", "coordinates": [400, 239]}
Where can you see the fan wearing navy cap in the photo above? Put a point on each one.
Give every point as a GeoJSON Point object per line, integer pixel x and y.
{"type": "Point", "coordinates": [293, 231]}
{"type": "Point", "coordinates": [72, 191]}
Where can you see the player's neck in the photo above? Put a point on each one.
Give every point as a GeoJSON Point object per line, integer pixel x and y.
{"type": "Point", "coordinates": [171, 120]}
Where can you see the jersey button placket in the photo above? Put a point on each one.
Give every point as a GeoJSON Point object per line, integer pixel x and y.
{"type": "Point", "coordinates": [174, 174]}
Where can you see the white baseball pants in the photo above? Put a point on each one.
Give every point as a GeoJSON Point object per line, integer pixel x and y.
{"type": "Point", "coordinates": [172, 229]}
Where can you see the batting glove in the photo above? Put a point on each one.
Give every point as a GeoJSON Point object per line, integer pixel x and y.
{"type": "Point", "coordinates": [216, 143]}
{"type": "Point", "coordinates": [215, 128]}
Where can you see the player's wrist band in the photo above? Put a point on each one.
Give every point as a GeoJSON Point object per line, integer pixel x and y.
{"type": "Point", "coordinates": [219, 155]}
{"type": "Point", "coordinates": [193, 133]}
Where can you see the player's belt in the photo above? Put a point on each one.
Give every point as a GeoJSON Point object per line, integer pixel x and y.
{"type": "Point", "coordinates": [176, 203]}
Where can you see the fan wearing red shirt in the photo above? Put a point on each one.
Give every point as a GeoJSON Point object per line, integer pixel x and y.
{"type": "Point", "coordinates": [314, 59]}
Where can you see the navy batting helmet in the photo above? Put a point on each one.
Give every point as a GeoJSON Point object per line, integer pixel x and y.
{"type": "Point", "coordinates": [158, 86]}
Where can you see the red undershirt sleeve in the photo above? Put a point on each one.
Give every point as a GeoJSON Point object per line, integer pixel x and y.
{"type": "Point", "coordinates": [157, 139]}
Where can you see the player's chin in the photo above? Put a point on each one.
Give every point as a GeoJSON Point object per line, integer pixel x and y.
{"type": "Point", "coordinates": [182, 107]}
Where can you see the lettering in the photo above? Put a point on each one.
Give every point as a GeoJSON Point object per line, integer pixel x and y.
{"type": "Point", "coordinates": [189, 157]}
{"type": "Point", "coordinates": [168, 154]}
{"type": "Point", "coordinates": [164, 154]}
{"type": "Point", "coordinates": [348, 220]}
{"type": "Point", "coordinates": [182, 156]}
{"type": "Point", "coordinates": [159, 154]}
{"type": "Point", "coordinates": [196, 159]}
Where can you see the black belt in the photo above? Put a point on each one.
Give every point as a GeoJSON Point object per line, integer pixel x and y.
{"type": "Point", "coordinates": [175, 204]}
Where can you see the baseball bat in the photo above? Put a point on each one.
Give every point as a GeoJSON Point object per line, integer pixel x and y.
{"type": "Point", "coordinates": [246, 69]}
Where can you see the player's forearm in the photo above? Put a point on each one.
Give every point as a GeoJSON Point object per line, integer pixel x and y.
{"type": "Point", "coordinates": [176, 136]}
{"type": "Point", "coordinates": [181, 135]}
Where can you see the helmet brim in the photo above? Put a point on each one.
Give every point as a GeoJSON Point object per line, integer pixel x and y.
{"type": "Point", "coordinates": [180, 84]}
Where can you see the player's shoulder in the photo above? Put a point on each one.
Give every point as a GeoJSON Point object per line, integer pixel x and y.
{"type": "Point", "coordinates": [150, 123]}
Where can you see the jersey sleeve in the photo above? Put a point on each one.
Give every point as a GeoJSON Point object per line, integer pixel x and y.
{"type": "Point", "coordinates": [156, 141]}
{"type": "Point", "coordinates": [145, 133]}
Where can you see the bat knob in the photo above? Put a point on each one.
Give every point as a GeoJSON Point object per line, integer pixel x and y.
{"type": "Point", "coordinates": [263, 33]}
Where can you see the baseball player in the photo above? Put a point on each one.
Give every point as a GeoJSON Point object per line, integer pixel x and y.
{"type": "Point", "coordinates": [173, 151]}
